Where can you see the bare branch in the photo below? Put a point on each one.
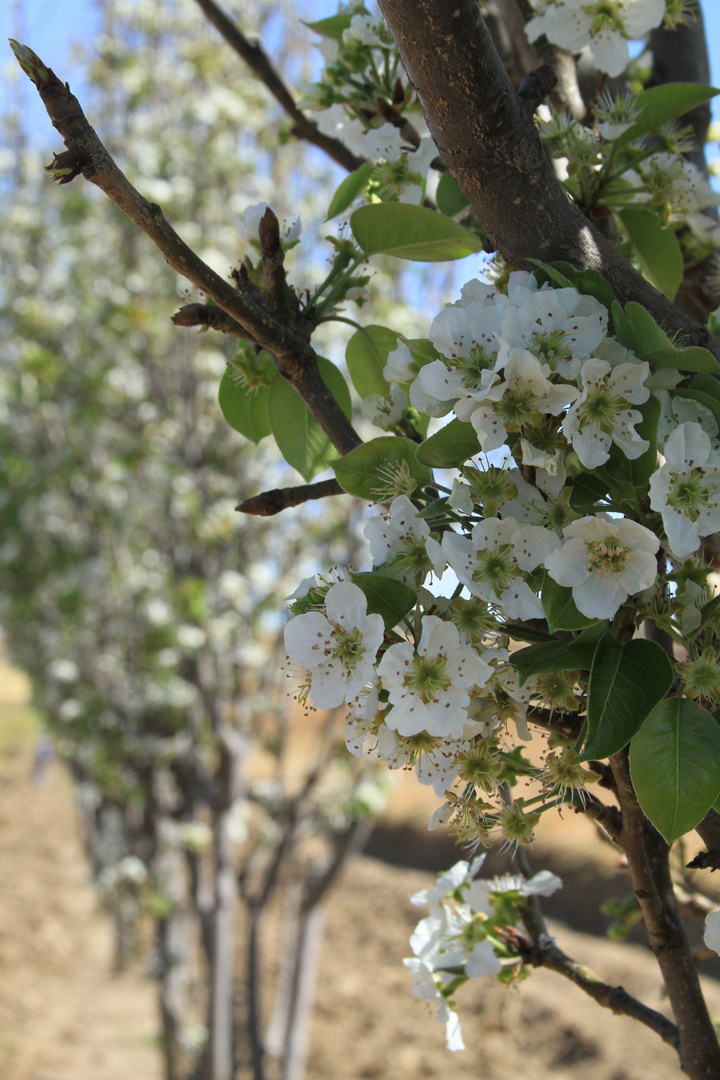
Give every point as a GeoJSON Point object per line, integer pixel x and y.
{"type": "Point", "coordinates": [542, 950]}
{"type": "Point", "coordinates": [260, 65]}
{"type": "Point", "coordinates": [546, 953]}
{"type": "Point", "coordinates": [490, 144]}
{"type": "Point", "coordinates": [294, 357]}
{"type": "Point", "coordinates": [273, 502]}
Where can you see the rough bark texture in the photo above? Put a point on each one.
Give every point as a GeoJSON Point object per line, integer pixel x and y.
{"type": "Point", "coordinates": [487, 138]}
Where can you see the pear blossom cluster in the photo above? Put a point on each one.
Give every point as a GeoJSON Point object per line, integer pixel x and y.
{"type": "Point", "coordinates": [459, 939]}
{"type": "Point", "coordinates": [365, 100]}
{"type": "Point", "coordinates": [546, 515]}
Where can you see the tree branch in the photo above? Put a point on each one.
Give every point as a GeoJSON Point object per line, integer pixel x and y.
{"type": "Point", "coordinates": [647, 855]}
{"type": "Point", "coordinates": [273, 502]}
{"type": "Point", "coordinates": [294, 357]}
{"type": "Point", "coordinates": [490, 144]}
{"type": "Point", "coordinates": [209, 317]}
{"type": "Point", "coordinates": [544, 951]}
{"type": "Point", "coordinates": [260, 65]}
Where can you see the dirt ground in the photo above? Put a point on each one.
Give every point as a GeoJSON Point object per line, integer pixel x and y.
{"type": "Point", "coordinates": [64, 1016]}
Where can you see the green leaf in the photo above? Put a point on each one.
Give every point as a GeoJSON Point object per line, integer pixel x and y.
{"type": "Point", "coordinates": [366, 355]}
{"type": "Point", "coordinates": [349, 189]}
{"type": "Point", "coordinates": [423, 351]}
{"type": "Point", "coordinates": [559, 607]}
{"type": "Point", "coordinates": [333, 27]}
{"type": "Point", "coordinates": [411, 232]}
{"type": "Point", "coordinates": [636, 329]}
{"type": "Point", "coordinates": [518, 631]}
{"type": "Point", "coordinates": [662, 103]}
{"type": "Point", "coordinates": [449, 198]}
{"type": "Point", "coordinates": [385, 596]}
{"type": "Point", "coordinates": [556, 655]}
{"type": "Point", "coordinates": [693, 358]}
{"type": "Point", "coordinates": [657, 247]}
{"type": "Point", "coordinates": [244, 409]}
{"type": "Point", "coordinates": [449, 447]}
{"type": "Point", "coordinates": [707, 385]}
{"type": "Point", "coordinates": [358, 471]}
{"type": "Point", "coordinates": [300, 439]}
{"type": "Point", "coordinates": [675, 766]}
{"type": "Point", "coordinates": [626, 683]}
{"type": "Point", "coordinates": [586, 491]}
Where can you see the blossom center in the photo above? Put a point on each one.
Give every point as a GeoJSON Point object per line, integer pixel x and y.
{"type": "Point", "coordinates": [348, 646]}
{"type": "Point", "coordinates": [606, 15]}
{"type": "Point", "coordinates": [428, 677]}
{"type": "Point", "coordinates": [608, 556]}
{"type": "Point", "coordinates": [517, 408]}
{"type": "Point", "coordinates": [494, 568]}
{"type": "Point", "coordinates": [690, 492]}
{"type": "Point", "coordinates": [601, 408]}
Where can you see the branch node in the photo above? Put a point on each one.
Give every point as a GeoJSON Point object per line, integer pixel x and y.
{"type": "Point", "coordinates": [536, 86]}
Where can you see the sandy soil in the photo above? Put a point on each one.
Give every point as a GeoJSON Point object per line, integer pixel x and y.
{"type": "Point", "coordinates": [64, 1016]}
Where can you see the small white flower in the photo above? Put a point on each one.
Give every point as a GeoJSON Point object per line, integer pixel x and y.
{"type": "Point", "coordinates": [492, 563]}
{"type": "Point", "coordinates": [429, 689]}
{"type": "Point", "coordinates": [385, 411]}
{"type": "Point", "coordinates": [601, 416]}
{"type": "Point", "coordinates": [712, 931]}
{"type": "Point", "coordinates": [337, 651]}
{"type": "Point", "coordinates": [523, 397]}
{"type": "Point", "coordinates": [603, 26]}
{"type": "Point", "coordinates": [397, 538]}
{"type": "Point", "coordinates": [686, 489]}
{"type": "Point", "coordinates": [367, 30]}
{"type": "Point", "coordinates": [604, 560]}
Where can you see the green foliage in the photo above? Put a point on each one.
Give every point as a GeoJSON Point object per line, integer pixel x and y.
{"type": "Point", "coordinates": [299, 437]}
{"type": "Point", "coordinates": [559, 607]}
{"type": "Point", "coordinates": [662, 103]}
{"type": "Point", "coordinates": [560, 654]}
{"type": "Point", "coordinates": [386, 596]}
{"type": "Point", "coordinates": [245, 409]}
{"type": "Point", "coordinates": [352, 186]}
{"type": "Point", "coordinates": [361, 471]}
{"type": "Point", "coordinates": [452, 445]}
{"type": "Point", "coordinates": [626, 683]}
{"type": "Point", "coordinates": [657, 248]}
{"type": "Point", "coordinates": [411, 232]}
{"type": "Point", "coordinates": [675, 766]}
{"type": "Point", "coordinates": [366, 355]}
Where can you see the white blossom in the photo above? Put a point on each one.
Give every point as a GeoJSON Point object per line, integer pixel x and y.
{"type": "Point", "coordinates": [604, 26]}
{"type": "Point", "coordinates": [712, 931]}
{"type": "Point", "coordinates": [686, 489]}
{"type": "Point", "coordinates": [397, 538]}
{"type": "Point", "coordinates": [429, 688]}
{"type": "Point", "coordinates": [338, 649]}
{"type": "Point", "coordinates": [601, 415]}
{"type": "Point", "coordinates": [604, 560]}
{"type": "Point", "coordinates": [492, 562]}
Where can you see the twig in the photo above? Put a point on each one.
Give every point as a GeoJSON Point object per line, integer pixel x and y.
{"type": "Point", "coordinates": [295, 359]}
{"type": "Point", "coordinates": [273, 502]}
{"type": "Point", "coordinates": [273, 259]}
{"type": "Point", "coordinates": [211, 318]}
{"type": "Point", "coordinates": [544, 952]}
{"type": "Point", "coordinates": [259, 63]}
